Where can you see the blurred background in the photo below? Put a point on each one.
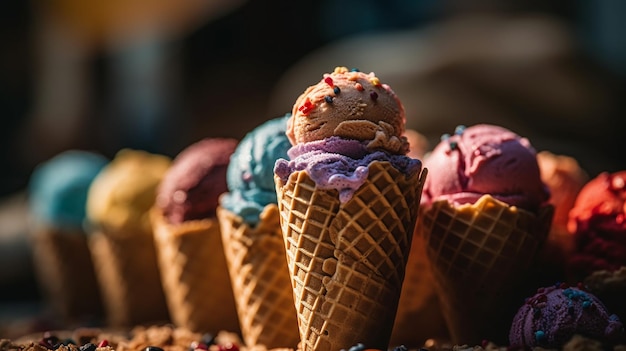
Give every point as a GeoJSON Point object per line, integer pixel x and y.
{"type": "Point", "coordinates": [104, 75]}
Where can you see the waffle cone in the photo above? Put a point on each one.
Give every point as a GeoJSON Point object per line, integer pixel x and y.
{"type": "Point", "coordinates": [194, 273]}
{"type": "Point", "coordinates": [347, 261]}
{"type": "Point", "coordinates": [65, 273]}
{"type": "Point", "coordinates": [127, 272]}
{"type": "Point", "coordinates": [479, 255]}
{"type": "Point", "coordinates": [261, 282]}
{"type": "Point", "coordinates": [419, 316]}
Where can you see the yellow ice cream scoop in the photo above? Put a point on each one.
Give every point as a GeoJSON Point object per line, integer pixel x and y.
{"type": "Point", "coordinates": [123, 193]}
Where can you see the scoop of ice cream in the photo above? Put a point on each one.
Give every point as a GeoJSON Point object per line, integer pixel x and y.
{"type": "Point", "coordinates": [555, 314]}
{"type": "Point", "coordinates": [351, 105]}
{"type": "Point", "coordinates": [598, 222]}
{"type": "Point", "coordinates": [192, 186]}
{"type": "Point", "coordinates": [58, 187]}
{"type": "Point", "coordinates": [564, 178]}
{"type": "Point", "coordinates": [610, 287]}
{"type": "Point", "coordinates": [418, 144]}
{"type": "Point", "coordinates": [341, 164]}
{"type": "Point", "coordinates": [484, 159]}
{"type": "Point", "coordinates": [251, 170]}
{"type": "Point", "coordinates": [124, 191]}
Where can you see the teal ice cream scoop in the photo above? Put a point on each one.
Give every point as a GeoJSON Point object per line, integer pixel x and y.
{"type": "Point", "coordinates": [250, 173]}
{"type": "Point", "coordinates": [58, 187]}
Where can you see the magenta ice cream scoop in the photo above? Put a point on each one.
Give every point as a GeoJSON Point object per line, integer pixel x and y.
{"type": "Point", "coordinates": [191, 187]}
{"type": "Point", "coordinates": [484, 159]}
{"type": "Point", "coordinates": [552, 316]}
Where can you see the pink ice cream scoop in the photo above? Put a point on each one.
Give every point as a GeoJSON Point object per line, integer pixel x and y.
{"type": "Point", "coordinates": [484, 159]}
{"type": "Point", "coordinates": [552, 316]}
{"type": "Point", "coordinates": [598, 222]}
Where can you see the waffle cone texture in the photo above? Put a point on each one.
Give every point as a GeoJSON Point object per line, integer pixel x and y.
{"type": "Point", "coordinates": [419, 316]}
{"type": "Point", "coordinates": [126, 269]}
{"type": "Point", "coordinates": [194, 273]}
{"type": "Point", "coordinates": [65, 273]}
{"type": "Point", "coordinates": [347, 261]}
{"type": "Point", "coordinates": [260, 279]}
{"type": "Point", "coordinates": [479, 254]}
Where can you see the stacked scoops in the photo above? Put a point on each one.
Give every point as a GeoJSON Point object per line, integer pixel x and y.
{"type": "Point", "coordinates": [188, 240]}
{"type": "Point", "coordinates": [253, 242]}
{"type": "Point", "coordinates": [484, 218]}
{"type": "Point", "coordinates": [348, 200]}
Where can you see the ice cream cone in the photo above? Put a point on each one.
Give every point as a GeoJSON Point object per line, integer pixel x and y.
{"type": "Point", "coordinates": [194, 273]}
{"type": "Point", "coordinates": [347, 260]}
{"type": "Point", "coordinates": [66, 273]}
{"type": "Point", "coordinates": [419, 316]}
{"type": "Point", "coordinates": [126, 269]}
{"type": "Point", "coordinates": [261, 281]}
{"type": "Point", "coordinates": [57, 195]}
{"type": "Point", "coordinates": [479, 254]}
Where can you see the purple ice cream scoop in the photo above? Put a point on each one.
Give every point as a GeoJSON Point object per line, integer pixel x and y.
{"type": "Point", "coordinates": [341, 164]}
{"type": "Point", "coordinates": [555, 314]}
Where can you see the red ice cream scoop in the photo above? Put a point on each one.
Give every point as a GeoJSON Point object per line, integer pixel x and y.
{"type": "Point", "coordinates": [598, 222]}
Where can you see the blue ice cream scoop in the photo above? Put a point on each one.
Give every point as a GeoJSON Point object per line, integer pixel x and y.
{"type": "Point", "coordinates": [250, 172]}
{"type": "Point", "coordinates": [58, 187]}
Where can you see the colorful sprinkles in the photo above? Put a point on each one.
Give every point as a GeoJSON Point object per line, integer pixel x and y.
{"type": "Point", "coordinates": [540, 335]}
{"type": "Point", "coordinates": [577, 295]}
{"type": "Point", "coordinates": [573, 295]}
{"type": "Point", "coordinates": [451, 143]}
{"type": "Point", "coordinates": [459, 129]}
{"type": "Point", "coordinates": [352, 74]}
{"type": "Point", "coordinates": [306, 107]}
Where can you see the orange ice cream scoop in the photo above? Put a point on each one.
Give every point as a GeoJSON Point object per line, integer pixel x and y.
{"type": "Point", "coordinates": [564, 178]}
{"type": "Point", "coordinates": [352, 105]}
{"type": "Point", "coordinates": [598, 222]}
{"type": "Point", "coordinates": [419, 145]}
